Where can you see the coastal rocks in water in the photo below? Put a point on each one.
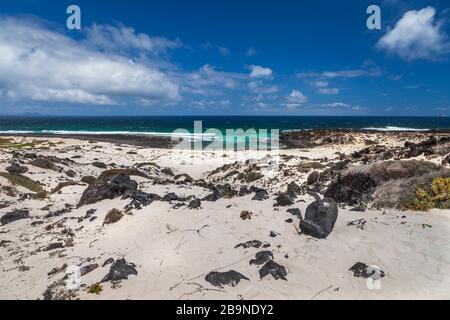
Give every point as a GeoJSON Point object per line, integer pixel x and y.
{"type": "Point", "coordinates": [352, 189]}
{"type": "Point", "coordinates": [195, 204]}
{"type": "Point", "coordinates": [361, 270]}
{"type": "Point", "coordinates": [271, 267]}
{"type": "Point", "coordinates": [262, 257]}
{"type": "Point", "coordinates": [15, 168]}
{"type": "Point", "coordinates": [14, 216]}
{"type": "Point", "coordinates": [141, 199]}
{"type": "Point", "coordinates": [283, 200]}
{"type": "Point", "coordinates": [120, 270]}
{"type": "Point", "coordinates": [253, 244]}
{"type": "Point", "coordinates": [118, 185]}
{"type": "Point", "coordinates": [113, 216]}
{"type": "Point", "coordinates": [320, 217]}
{"type": "Point", "coordinates": [221, 279]}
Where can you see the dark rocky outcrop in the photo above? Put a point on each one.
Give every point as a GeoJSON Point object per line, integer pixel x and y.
{"type": "Point", "coordinates": [15, 168]}
{"type": "Point", "coordinates": [262, 257]}
{"type": "Point", "coordinates": [120, 270]}
{"type": "Point", "coordinates": [14, 216]}
{"type": "Point", "coordinates": [271, 267]}
{"type": "Point", "coordinates": [195, 204]}
{"type": "Point", "coordinates": [141, 199]}
{"type": "Point", "coordinates": [352, 189]}
{"type": "Point", "coordinates": [118, 185]}
{"type": "Point", "coordinates": [283, 200]}
{"type": "Point", "coordinates": [361, 270]}
{"type": "Point", "coordinates": [253, 244]}
{"type": "Point", "coordinates": [320, 217]}
{"type": "Point", "coordinates": [220, 279]}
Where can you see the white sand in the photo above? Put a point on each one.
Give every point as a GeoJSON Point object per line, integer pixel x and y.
{"type": "Point", "coordinates": [174, 249]}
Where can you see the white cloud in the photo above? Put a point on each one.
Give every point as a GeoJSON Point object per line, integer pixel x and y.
{"type": "Point", "coordinates": [123, 38]}
{"type": "Point", "coordinates": [43, 65]}
{"type": "Point", "coordinates": [260, 88]}
{"type": "Point", "coordinates": [296, 98]}
{"type": "Point", "coordinates": [260, 72]}
{"type": "Point", "coordinates": [209, 81]}
{"type": "Point", "coordinates": [328, 91]}
{"type": "Point", "coordinates": [415, 36]}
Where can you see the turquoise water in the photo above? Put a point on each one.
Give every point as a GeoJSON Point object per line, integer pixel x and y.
{"type": "Point", "coordinates": [166, 125]}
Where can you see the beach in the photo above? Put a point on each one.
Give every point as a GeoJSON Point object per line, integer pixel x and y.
{"type": "Point", "coordinates": [98, 217]}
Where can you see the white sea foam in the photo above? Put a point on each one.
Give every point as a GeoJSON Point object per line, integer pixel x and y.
{"type": "Point", "coordinates": [392, 128]}
{"type": "Point", "coordinates": [129, 133]}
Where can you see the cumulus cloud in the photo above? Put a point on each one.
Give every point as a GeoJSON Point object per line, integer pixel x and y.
{"type": "Point", "coordinates": [209, 81]}
{"type": "Point", "coordinates": [417, 35]}
{"type": "Point", "coordinates": [40, 64]}
{"type": "Point", "coordinates": [124, 38]}
{"type": "Point", "coordinates": [260, 72]}
{"type": "Point", "coordinates": [296, 99]}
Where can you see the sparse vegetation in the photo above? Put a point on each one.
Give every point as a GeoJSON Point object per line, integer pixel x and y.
{"type": "Point", "coordinates": [96, 288]}
{"type": "Point", "coordinates": [20, 180]}
{"type": "Point", "coordinates": [113, 216]}
{"type": "Point", "coordinates": [437, 195]}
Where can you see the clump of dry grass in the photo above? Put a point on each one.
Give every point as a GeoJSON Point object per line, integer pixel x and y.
{"type": "Point", "coordinates": [23, 181]}
{"type": "Point", "coordinates": [411, 189]}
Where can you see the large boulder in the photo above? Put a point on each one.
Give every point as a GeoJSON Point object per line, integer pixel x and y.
{"type": "Point", "coordinates": [320, 217]}
{"type": "Point", "coordinates": [118, 185]}
{"type": "Point", "coordinates": [352, 188]}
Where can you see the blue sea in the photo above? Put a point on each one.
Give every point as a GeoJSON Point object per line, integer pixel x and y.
{"type": "Point", "coordinates": [165, 125]}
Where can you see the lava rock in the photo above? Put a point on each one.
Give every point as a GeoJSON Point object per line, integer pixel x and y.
{"type": "Point", "coordinates": [320, 217]}
{"type": "Point", "coordinates": [118, 185]}
{"type": "Point", "coordinates": [295, 212]}
{"type": "Point", "coordinates": [100, 165]}
{"type": "Point", "coordinates": [271, 267]}
{"type": "Point", "coordinates": [352, 188]}
{"type": "Point", "coordinates": [120, 270]}
{"type": "Point", "coordinates": [283, 200]}
{"type": "Point", "coordinates": [15, 168]}
{"type": "Point", "coordinates": [361, 270]}
{"type": "Point", "coordinates": [220, 279]}
{"type": "Point", "coordinates": [313, 178]}
{"type": "Point", "coordinates": [253, 244]}
{"type": "Point", "coordinates": [14, 216]}
{"type": "Point", "coordinates": [141, 199]}
{"type": "Point", "coordinates": [261, 257]}
{"type": "Point", "coordinates": [172, 197]}
{"type": "Point", "coordinates": [261, 195]}
{"type": "Point", "coordinates": [71, 173]}
{"type": "Point", "coordinates": [293, 190]}
{"type": "Point", "coordinates": [195, 204]}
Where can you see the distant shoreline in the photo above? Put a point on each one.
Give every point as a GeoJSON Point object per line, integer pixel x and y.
{"type": "Point", "coordinates": [288, 139]}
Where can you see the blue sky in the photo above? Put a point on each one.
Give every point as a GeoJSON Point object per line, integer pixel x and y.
{"type": "Point", "coordinates": [225, 57]}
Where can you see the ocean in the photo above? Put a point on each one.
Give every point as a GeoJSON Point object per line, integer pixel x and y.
{"type": "Point", "coordinates": [165, 125]}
